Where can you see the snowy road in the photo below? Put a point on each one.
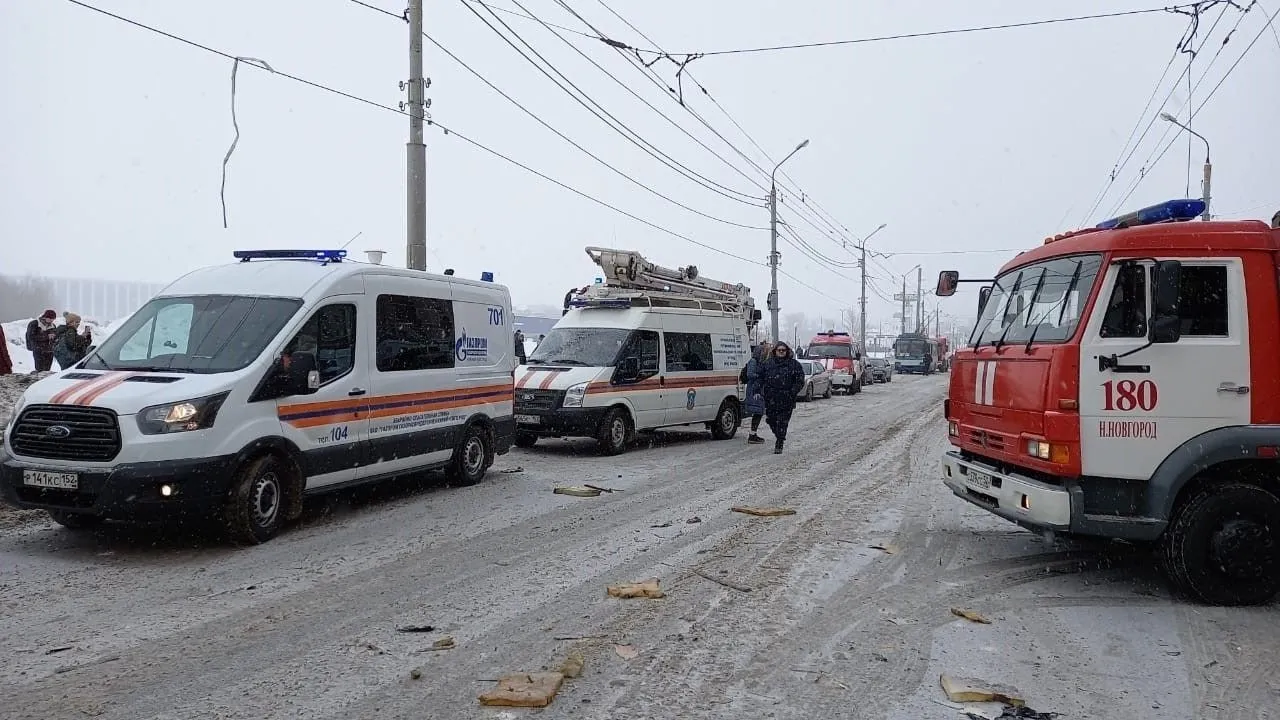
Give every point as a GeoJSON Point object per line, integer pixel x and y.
{"type": "Point", "coordinates": [130, 624]}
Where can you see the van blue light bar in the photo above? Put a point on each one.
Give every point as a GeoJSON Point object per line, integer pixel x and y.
{"type": "Point", "coordinates": [326, 255]}
{"type": "Point", "coordinates": [1171, 211]}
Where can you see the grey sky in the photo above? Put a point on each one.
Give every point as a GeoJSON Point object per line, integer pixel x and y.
{"type": "Point", "coordinates": [115, 136]}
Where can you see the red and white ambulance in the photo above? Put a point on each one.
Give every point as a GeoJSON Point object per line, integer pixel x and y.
{"type": "Point", "coordinates": [1123, 381]}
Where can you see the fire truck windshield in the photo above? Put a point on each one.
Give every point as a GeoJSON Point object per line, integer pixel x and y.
{"type": "Point", "coordinates": [1043, 302]}
{"type": "Point", "coordinates": [829, 351]}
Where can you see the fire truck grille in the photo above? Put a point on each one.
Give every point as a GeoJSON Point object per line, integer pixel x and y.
{"type": "Point", "coordinates": [984, 439]}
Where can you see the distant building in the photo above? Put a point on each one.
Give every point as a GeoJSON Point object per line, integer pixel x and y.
{"type": "Point", "coordinates": [533, 326]}
{"type": "Point", "coordinates": [103, 300]}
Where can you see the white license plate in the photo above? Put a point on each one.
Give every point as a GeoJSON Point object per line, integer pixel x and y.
{"type": "Point", "coordinates": [528, 420]}
{"type": "Point", "coordinates": [61, 481]}
{"type": "Point", "coordinates": [979, 479]}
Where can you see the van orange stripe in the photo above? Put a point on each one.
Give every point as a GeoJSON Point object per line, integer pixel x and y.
{"type": "Point", "coordinates": [63, 395]}
{"type": "Point", "coordinates": [357, 403]}
{"type": "Point", "coordinates": [90, 396]}
{"type": "Point", "coordinates": [526, 377]}
{"type": "Point", "coordinates": [546, 383]}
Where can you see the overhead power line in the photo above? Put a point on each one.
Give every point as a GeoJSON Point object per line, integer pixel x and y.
{"type": "Point", "coordinates": [585, 99]}
{"type": "Point", "coordinates": [916, 35]}
{"type": "Point", "coordinates": [553, 129]}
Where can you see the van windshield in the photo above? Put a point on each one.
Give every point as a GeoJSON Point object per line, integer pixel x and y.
{"type": "Point", "coordinates": [588, 347]}
{"type": "Point", "coordinates": [1041, 302]}
{"type": "Point", "coordinates": [196, 334]}
{"type": "Point", "coordinates": [829, 351]}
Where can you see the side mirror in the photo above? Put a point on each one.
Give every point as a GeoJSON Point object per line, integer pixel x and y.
{"type": "Point", "coordinates": [948, 280]}
{"type": "Point", "coordinates": [629, 369]}
{"type": "Point", "coordinates": [756, 315]}
{"type": "Point", "coordinates": [1165, 325]}
{"type": "Point", "coordinates": [984, 294]}
{"type": "Point", "coordinates": [298, 374]}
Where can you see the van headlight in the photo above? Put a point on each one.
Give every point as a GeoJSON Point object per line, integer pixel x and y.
{"type": "Point", "coordinates": [184, 416]}
{"type": "Point", "coordinates": [574, 395]}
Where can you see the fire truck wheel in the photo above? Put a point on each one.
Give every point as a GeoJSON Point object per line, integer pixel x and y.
{"type": "Point", "coordinates": [1223, 545]}
{"type": "Point", "coordinates": [614, 432]}
{"type": "Point", "coordinates": [725, 426]}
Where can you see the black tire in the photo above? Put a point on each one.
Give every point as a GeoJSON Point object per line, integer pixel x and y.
{"type": "Point", "coordinates": [75, 521]}
{"type": "Point", "coordinates": [470, 458]}
{"type": "Point", "coordinates": [827, 394]}
{"type": "Point", "coordinates": [727, 422]}
{"type": "Point", "coordinates": [255, 508]}
{"type": "Point", "coordinates": [808, 395]}
{"type": "Point", "coordinates": [1223, 545]}
{"type": "Point", "coordinates": [856, 387]}
{"type": "Point", "coordinates": [614, 432]}
{"type": "Point", "coordinates": [526, 440]}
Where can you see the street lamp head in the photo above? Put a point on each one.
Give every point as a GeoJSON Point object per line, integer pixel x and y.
{"type": "Point", "coordinates": [803, 145]}
{"type": "Point", "coordinates": [1168, 118]}
{"type": "Point", "coordinates": [882, 226]}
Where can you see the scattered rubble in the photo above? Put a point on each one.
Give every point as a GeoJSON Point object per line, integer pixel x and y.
{"type": "Point", "coordinates": [626, 652]}
{"type": "Point", "coordinates": [576, 491]}
{"type": "Point", "coordinates": [970, 615]}
{"type": "Point", "coordinates": [970, 690]}
{"type": "Point", "coordinates": [416, 628]}
{"type": "Point", "coordinates": [643, 589]}
{"type": "Point", "coordinates": [572, 665]}
{"type": "Point", "coordinates": [524, 690]}
{"type": "Point", "coordinates": [763, 511]}
{"type": "Point", "coordinates": [886, 549]}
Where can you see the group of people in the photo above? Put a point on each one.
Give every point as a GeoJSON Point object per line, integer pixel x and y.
{"type": "Point", "coordinates": [774, 379]}
{"type": "Point", "coordinates": [521, 356]}
{"type": "Point", "coordinates": [48, 341]}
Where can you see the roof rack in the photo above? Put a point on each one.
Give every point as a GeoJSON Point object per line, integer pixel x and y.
{"type": "Point", "coordinates": [628, 279]}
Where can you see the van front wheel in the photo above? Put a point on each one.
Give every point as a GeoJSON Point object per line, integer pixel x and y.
{"type": "Point", "coordinates": [614, 432]}
{"type": "Point", "coordinates": [470, 458]}
{"type": "Point", "coordinates": [254, 509]}
{"type": "Point", "coordinates": [727, 421]}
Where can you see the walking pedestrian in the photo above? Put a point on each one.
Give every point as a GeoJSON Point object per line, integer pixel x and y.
{"type": "Point", "coordinates": [6, 363]}
{"type": "Point", "coordinates": [753, 374]}
{"type": "Point", "coordinates": [70, 345]}
{"type": "Point", "coordinates": [783, 379]}
{"type": "Point", "coordinates": [40, 336]}
{"type": "Point", "coordinates": [520, 353]}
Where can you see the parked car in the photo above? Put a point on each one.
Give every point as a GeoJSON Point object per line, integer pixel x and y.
{"type": "Point", "coordinates": [817, 380]}
{"type": "Point", "coordinates": [879, 370]}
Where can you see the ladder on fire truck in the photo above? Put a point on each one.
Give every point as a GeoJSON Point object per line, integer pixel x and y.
{"type": "Point", "coordinates": [627, 277]}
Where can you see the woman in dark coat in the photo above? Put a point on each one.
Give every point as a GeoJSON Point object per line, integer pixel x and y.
{"type": "Point", "coordinates": [755, 397]}
{"type": "Point", "coordinates": [782, 382]}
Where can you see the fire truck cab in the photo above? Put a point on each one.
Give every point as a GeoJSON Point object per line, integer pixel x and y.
{"type": "Point", "coordinates": [1123, 381]}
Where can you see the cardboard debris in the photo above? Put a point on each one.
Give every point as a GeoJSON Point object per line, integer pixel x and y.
{"type": "Point", "coordinates": [577, 491]}
{"type": "Point", "coordinates": [764, 511]}
{"type": "Point", "coordinates": [626, 652]}
{"type": "Point", "coordinates": [645, 589]}
{"type": "Point", "coordinates": [970, 690]}
{"type": "Point", "coordinates": [970, 615]}
{"type": "Point", "coordinates": [572, 665]}
{"type": "Point", "coordinates": [524, 690]}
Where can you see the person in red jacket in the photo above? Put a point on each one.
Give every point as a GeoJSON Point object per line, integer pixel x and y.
{"type": "Point", "coordinates": [6, 363]}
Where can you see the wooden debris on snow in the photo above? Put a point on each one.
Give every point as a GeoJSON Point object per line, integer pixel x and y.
{"type": "Point", "coordinates": [524, 690]}
{"type": "Point", "coordinates": [644, 589]}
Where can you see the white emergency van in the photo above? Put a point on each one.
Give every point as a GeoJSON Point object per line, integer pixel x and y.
{"type": "Point", "coordinates": [646, 347]}
{"type": "Point", "coordinates": [241, 388]}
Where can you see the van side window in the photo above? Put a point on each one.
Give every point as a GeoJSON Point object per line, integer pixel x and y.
{"type": "Point", "coordinates": [688, 352]}
{"type": "Point", "coordinates": [1202, 300]}
{"type": "Point", "coordinates": [330, 335]}
{"type": "Point", "coordinates": [414, 333]}
{"type": "Point", "coordinates": [1127, 310]}
{"type": "Point", "coordinates": [643, 344]}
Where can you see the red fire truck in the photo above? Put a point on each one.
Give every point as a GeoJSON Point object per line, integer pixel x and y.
{"type": "Point", "coordinates": [842, 356]}
{"type": "Point", "coordinates": [1123, 381]}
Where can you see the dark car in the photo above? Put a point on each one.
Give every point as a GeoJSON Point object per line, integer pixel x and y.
{"type": "Point", "coordinates": [879, 370]}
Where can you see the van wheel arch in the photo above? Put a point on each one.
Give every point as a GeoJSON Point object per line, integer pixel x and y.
{"type": "Point", "coordinates": [718, 428]}
{"type": "Point", "coordinates": [460, 471]}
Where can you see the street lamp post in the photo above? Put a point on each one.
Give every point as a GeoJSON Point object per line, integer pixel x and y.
{"type": "Point", "coordinates": [862, 333]}
{"type": "Point", "coordinates": [773, 241]}
{"type": "Point", "coordinates": [1208, 167]}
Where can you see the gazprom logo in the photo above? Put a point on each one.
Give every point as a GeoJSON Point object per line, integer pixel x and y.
{"type": "Point", "coordinates": [471, 348]}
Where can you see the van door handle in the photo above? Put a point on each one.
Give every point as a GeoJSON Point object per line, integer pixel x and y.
{"type": "Point", "coordinates": [353, 392]}
{"type": "Point", "coordinates": [1230, 387]}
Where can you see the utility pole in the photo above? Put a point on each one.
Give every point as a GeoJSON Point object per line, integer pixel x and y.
{"type": "Point", "coordinates": [904, 306]}
{"type": "Point", "coordinates": [416, 150]}
{"type": "Point", "coordinates": [920, 300]}
{"type": "Point", "coordinates": [862, 311]}
{"type": "Point", "coordinates": [773, 242]}
{"type": "Point", "coordinates": [937, 321]}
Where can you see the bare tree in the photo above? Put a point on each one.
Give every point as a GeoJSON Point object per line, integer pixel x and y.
{"type": "Point", "coordinates": [24, 297]}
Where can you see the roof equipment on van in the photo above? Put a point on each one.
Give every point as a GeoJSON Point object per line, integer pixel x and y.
{"type": "Point", "coordinates": [628, 276]}
{"type": "Point", "coordinates": [1171, 211]}
{"type": "Point", "coordinates": [325, 255]}
{"type": "Point", "coordinates": [486, 276]}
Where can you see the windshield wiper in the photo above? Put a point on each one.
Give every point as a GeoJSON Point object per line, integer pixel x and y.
{"type": "Point", "coordinates": [566, 361]}
{"type": "Point", "coordinates": [1075, 278]}
{"type": "Point", "coordinates": [1030, 304]}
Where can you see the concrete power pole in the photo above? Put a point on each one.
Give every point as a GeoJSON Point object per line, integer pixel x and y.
{"type": "Point", "coordinates": [903, 331]}
{"type": "Point", "coordinates": [862, 312]}
{"type": "Point", "coordinates": [416, 158]}
{"type": "Point", "coordinates": [920, 300]}
{"type": "Point", "coordinates": [773, 263]}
